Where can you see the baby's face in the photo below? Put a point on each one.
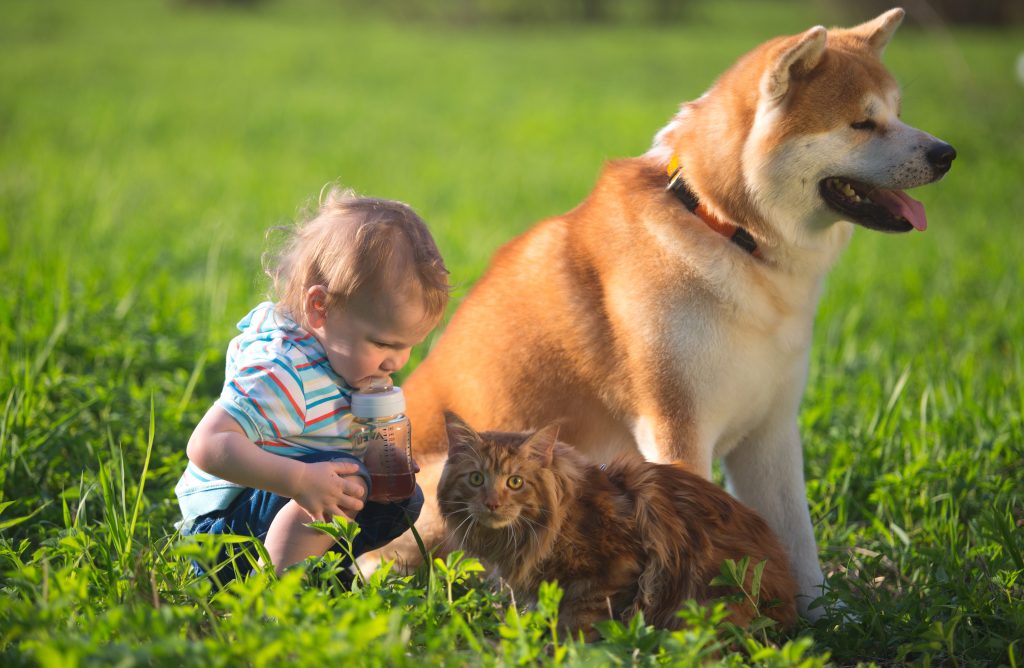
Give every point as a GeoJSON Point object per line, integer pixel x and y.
{"type": "Point", "coordinates": [370, 340]}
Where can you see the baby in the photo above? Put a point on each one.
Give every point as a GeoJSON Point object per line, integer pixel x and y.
{"type": "Point", "coordinates": [359, 285]}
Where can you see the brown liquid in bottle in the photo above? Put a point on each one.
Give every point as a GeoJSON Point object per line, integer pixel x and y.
{"type": "Point", "coordinates": [392, 487]}
{"type": "Point", "coordinates": [382, 427]}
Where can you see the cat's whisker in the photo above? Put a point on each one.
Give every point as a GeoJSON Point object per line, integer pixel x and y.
{"type": "Point", "coordinates": [531, 525]}
{"type": "Point", "coordinates": [456, 511]}
{"type": "Point", "coordinates": [510, 537]}
{"type": "Point", "coordinates": [450, 502]}
{"type": "Point", "coordinates": [537, 536]}
{"type": "Point", "coordinates": [532, 521]}
{"type": "Point", "coordinates": [469, 518]}
{"type": "Point", "coordinates": [465, 536]}
{"type": "Point", "coordinates": [537, 527]}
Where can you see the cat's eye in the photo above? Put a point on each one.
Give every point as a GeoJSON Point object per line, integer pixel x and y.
{"type": "Point", "coordinates": [476, 478]}
{"type": "Point", "coordinates": [514, 482]}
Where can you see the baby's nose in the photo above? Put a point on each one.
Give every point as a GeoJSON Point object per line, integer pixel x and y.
{"type": "Point", "coordinates": [393, 363]}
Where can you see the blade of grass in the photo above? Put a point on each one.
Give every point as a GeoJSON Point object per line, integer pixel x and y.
{"type": "Point", "coordinates": [145, 467]}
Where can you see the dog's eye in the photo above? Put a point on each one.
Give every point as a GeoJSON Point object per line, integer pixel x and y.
{"type": "Point", "coordinates": [866, 124]}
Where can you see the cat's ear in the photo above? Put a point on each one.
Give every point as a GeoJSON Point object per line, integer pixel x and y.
{"type": "Point", "coordinates": [542, 443]}
{"type": "Point", "coordinates": [460, 434]}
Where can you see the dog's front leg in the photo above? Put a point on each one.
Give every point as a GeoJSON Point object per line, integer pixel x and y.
{"type": "Point", "coordinates": [766, 473]}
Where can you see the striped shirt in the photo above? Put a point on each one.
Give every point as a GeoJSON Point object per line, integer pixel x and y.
{"type": "Point", "coordinates": [282, 391]}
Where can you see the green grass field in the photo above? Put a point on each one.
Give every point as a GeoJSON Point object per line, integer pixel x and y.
{"type": "Point", "coordinates": [145, 149]}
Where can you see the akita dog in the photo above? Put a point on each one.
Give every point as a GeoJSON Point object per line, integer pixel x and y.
{"type": "Point", "coordinates": [670, 313]}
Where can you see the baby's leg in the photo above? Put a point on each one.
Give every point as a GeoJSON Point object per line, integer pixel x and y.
{"type": "Point", "coordinates": [289, 540]}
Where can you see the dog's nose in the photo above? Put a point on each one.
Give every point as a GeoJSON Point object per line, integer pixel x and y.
{"type": "Point", "coordinates": [941, 157]}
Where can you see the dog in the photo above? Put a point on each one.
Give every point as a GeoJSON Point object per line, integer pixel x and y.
{"type": "Point", "coordinates": [670, 313]}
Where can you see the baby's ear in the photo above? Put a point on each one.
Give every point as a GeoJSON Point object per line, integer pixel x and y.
{"type": "Point", "coordinates": [542, 443]}
{"type": "Point", "coordinates": [460, 434]}
{"type": "Point", "coordinates": [314, 305]}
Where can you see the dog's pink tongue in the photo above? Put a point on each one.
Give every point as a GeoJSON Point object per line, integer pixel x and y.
{"type": "Point", "coordinates": [903, 205]}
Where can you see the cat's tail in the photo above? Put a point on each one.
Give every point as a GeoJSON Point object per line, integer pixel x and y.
{"type": "Point", "coordinates": [737, 532]}
{"type": "Point", "coordinates": [675, 547]}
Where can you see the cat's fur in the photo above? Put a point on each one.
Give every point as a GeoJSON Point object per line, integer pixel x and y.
{"type": "Point", "coordinates": [630, 537]}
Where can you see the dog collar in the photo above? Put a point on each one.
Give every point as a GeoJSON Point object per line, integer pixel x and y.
{"type": "Point", "coordinates": [732, 232]}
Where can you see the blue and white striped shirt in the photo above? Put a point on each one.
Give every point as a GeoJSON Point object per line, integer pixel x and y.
{"type": "Point", "coordinates": [282, 391]}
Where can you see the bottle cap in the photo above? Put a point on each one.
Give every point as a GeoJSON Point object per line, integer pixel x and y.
{"type": "Point", "coordinates": [378, 402]}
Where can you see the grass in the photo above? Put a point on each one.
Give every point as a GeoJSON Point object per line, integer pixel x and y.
{"type": "Point", "coordinates": [146, 147]}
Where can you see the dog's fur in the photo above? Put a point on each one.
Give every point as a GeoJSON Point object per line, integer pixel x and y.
{"type": "Point", "coordinates": [643, 329]}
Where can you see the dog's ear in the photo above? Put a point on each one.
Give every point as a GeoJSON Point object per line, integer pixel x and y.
{"type": "Point", "coordinates": [877, 32]}
{"type": "Point", "coordinates": [798, 57]}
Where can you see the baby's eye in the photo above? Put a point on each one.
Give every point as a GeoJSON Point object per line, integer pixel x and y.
{"type": "Point", "coordinates": [514, 482]}
{"type": "Point", "coordinates": [476, 478]}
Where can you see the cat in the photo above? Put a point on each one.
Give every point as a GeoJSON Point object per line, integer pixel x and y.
{"type": "Point", "coordinates": [626, 538]}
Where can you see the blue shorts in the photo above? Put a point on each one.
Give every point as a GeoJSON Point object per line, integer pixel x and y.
{"type": "Point", "coordinates": [253, 511]}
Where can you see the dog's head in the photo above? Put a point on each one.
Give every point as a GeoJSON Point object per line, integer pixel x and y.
{"type": "Point", "coordinates": [805, 131]}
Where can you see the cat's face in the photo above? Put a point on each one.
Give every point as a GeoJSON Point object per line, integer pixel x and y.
{"type": "Point", "coordinates": [495, 479]}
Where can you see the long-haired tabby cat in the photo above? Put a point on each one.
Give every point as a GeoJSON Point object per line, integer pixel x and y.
{"type": "Point", "coordinates": [629, 537]}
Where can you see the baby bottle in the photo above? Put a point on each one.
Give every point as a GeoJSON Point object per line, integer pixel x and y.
{"type": "Point", "coordinates": [381, 427]}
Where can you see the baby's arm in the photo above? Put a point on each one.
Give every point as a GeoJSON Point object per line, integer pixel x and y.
{"type": "Point", "coordinates": [220, 447]}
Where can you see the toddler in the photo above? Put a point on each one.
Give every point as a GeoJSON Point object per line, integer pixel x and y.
{"type": "Point", "coordinates": [359, 285]}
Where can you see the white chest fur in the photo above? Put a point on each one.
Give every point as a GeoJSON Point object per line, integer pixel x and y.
{"type": "Point", "coordinates": [742, 354]}
{"type": "Point", "coordinates": [751, 381]}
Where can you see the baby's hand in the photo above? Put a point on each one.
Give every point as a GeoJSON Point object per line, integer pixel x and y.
{"type": "Point", "coordinates": [327, 489]}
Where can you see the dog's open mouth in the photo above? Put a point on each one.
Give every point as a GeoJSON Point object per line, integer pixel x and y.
{"type": "Point", "coordinates": [874, 208]}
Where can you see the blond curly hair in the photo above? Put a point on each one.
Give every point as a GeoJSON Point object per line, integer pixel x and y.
{"type": "Point", "coordinates": [357, 243]}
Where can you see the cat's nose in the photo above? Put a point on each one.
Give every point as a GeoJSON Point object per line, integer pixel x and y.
{"type": "Point", "coordinates": [491, 503]}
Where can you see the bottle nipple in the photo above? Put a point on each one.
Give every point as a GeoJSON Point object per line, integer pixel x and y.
{"type": "Point", "coordinates": [378, 385]}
